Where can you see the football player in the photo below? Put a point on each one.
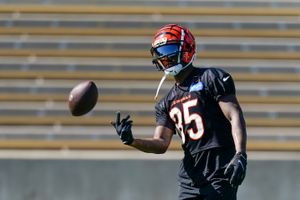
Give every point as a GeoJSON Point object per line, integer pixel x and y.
{"type": "Point", "coordinates": [203, 110]}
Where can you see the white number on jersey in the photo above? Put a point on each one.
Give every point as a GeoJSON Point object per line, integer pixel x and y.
{"type": "Point", "coordinates": [188, 118]}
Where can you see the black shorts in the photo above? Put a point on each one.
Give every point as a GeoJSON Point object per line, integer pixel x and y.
{"type": "Point", "coordinates": [201, 176]}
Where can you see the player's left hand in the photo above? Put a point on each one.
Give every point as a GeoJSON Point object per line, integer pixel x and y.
{"type": "Point", "coordinates": [236, 169]}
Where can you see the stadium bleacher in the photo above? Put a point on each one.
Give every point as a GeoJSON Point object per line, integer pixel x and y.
{"type": "Point", "coordinates": [47, 48]}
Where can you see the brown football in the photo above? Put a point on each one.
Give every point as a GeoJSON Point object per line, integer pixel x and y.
{"type": "Point", "coordinates": [83, 98]}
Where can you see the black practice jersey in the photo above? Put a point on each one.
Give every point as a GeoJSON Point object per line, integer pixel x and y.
{"type": "Point", "coordinates": [192, 109]}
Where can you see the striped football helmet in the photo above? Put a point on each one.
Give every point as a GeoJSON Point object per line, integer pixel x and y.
{"type": "Point", "coordinates": [173, 49]}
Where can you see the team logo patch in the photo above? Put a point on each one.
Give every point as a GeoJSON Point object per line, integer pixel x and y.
{"type": "Point", "coordinates": [196, 86]}
{"type": "Point", "coordinates": [160, 41]}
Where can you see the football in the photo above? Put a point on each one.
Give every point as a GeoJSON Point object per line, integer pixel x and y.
{"type": "Point", "coordinates": [83, 98]}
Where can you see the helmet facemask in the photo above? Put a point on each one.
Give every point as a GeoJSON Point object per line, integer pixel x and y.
{"type": "Point", "coordinates": [167, 58]}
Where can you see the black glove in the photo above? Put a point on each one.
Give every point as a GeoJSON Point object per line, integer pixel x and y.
{"type": "Point", "coordinates": [123, 128]}
{"type": "Point", "coordinates": [236, 169]}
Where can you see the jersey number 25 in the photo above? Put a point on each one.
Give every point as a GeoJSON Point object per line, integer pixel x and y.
{"type": "Point", "coordinates": [187, 117]}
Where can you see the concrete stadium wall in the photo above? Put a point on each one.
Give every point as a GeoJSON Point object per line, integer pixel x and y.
{"type": "Point", "coordinates": [23, 179]}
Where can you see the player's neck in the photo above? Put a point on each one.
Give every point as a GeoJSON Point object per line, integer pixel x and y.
{"type": "Point", "coordinates": [180, 78]}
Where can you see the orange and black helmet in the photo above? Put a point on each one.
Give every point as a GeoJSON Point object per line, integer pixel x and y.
{"type": "Point", "coordinates": [173, 49]}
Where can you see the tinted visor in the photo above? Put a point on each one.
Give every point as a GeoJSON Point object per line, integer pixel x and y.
{"type": "Point", "coordinates": [165, 50]}
{"type": "Point", "coordinates": [165, 56]}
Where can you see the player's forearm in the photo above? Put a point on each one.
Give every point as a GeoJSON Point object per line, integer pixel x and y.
{"type": "Point", "coordinates": [234, 114]}
{"type": "Point", "coordinates": [152, 145]}
{"type": "Point", "coordinates": [239, 132]}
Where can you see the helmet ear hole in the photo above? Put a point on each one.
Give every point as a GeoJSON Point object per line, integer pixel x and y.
{"type": "Point", "coordinates": [189, 48]}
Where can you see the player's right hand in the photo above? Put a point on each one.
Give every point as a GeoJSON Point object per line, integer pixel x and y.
{"type": "Point", "coordinates": [123, 128]}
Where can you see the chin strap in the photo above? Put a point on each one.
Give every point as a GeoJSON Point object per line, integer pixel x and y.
{"type": "Point", "coordinates": [160, 84]}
